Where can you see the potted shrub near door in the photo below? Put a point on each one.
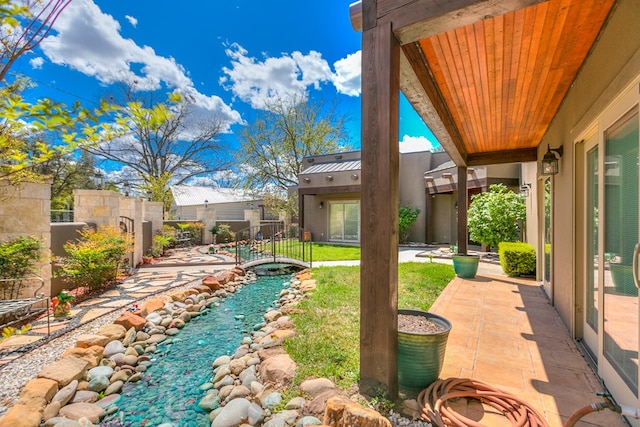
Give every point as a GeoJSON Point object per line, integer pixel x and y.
{"type": "Point", "coordinates": [422, 341]}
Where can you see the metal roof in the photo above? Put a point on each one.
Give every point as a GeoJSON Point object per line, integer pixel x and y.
{"type": "Point", "coordinates": [184, 195]}
{"type": "Point", "coordinates": [350, 165]}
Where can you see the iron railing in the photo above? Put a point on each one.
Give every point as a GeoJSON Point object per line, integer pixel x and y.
{"type": "Point", "coordinates": [273, 242]}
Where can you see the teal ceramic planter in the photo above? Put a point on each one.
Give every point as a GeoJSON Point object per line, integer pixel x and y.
{"type": "Point", "coordinates": [421, 355]}
{"type": "Point", "coordinates": [466, 266]}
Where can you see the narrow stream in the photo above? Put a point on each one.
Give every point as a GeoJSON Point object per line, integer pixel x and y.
{"type": "Point", "coordinates": [169, 390]}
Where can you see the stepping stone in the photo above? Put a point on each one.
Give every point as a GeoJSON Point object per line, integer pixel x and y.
{"type": "Point", "coordinates": [93, 313]}
{"type": "Point", "coordinates": [93, 301]}
{"type": "Point", "coordinates": [18, 341]}
{"type": "Point", "coordinates": [112, 293]}
{"type": "Point", "coordinates": [118, 303]}
{"type": "Point", "coordinates": [138, 295]}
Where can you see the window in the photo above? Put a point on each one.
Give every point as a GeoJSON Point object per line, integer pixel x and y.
{"type": "Point", "coordinates": [344, 221]}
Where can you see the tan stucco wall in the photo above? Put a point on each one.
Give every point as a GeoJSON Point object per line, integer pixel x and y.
{"type": "Point", "coordinates": [412, 190]}
{"type": "Point", "coordinates": [611, 66]}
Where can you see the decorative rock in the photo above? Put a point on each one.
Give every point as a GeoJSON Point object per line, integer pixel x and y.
{"type": "Point", "coordinates": [209, 402]}
{"type": "Point", "coordinates": [37, 393]}
{"type": "Point", "coordinates": [342, 411]}
{"type": "Point", "coordinates": [130, 336]}
{"type": "Point", "coordinates": [141, 336]}
{"type": "Point", "coordinates": [51, 410]}
{"type": "Point", "coordinates": [105, 371]}
{"type": "Point", "coordinates": [85, 396]}
{"type": "Point", "coordinates": [279, 369]}
{"type": "Point", "coordinates": [256, 388]}
{"type": "Point", "coordinates": [222, 360]}
{"type": "Point", "coordinates": [272, 315]}
{"type": "Point", "coordinates": [88, 340]}
{"type": "Point", "coordinates": [156, 338]}
{"type": "Point", "coordinates": [151, 305]}
{"type": "Point", "coordinates": [296, 403]}
{"type": "Point", "coordinates": [20, 415]}
{"type": "Point", "coordinates": [237, 366]}
{"type": "Point", "coordinates": [221, 373]}
{"type": "Point", "coordinates": [256, 414]}
{"type": "Point", "coordinates": [91, 354]}
{"type": "Point", "coordinates": [113, 388]}
{"type": "Point", "coordinates": [130, 320]}
{"type": "Point", "coordinates": [64, 395]}
{"type": "Point", "coordinates": [232, 414]}
{"type": "Point", "coordinates": [172, 331]}
{"type": "Point", "coordinates": [112, 332]}
{"type": "Point", "coordinates": [65, 370]}
{"type": "Point", "coordinates": [316, 386]}
{"type": "Point", "coordinates": [122, 375]}
{"type": "Point", "coordinates": [107, 401]}
{"type": "Point", "coordinates": [271, 400]}
{"type": "Point", "coordinates": [75, 411]}
{"type": "Point", "coordinates": [287, 417]}
{"type": "Point", "coordinates": [113, 347]}
{"type": "Point", "coordinates": [130, 360]}
{"type": "Point", "coordinates": [309, 421]}
{"type": "Point", "coordinates": [99, 383]}
{"type": "Point", "coordinates": [135, 377]}
{"type": "Point", "coordinates": [211, 282]}
{"type": "Point", "coordinates": [239, 391]}
{"type": "Point", "coordinates": [154, 318]}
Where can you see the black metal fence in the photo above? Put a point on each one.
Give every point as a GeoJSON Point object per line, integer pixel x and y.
{"type": "Point", "coordinates": [273, 242]}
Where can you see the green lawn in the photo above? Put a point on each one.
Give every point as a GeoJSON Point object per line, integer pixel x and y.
{"type": "Point", "coordinates": [328, 252]}
{"type": "Point", "coordinates": [327, 339]}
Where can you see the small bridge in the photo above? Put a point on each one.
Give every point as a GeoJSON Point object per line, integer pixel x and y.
{"type": "Point", "coordinates": [273, 243]}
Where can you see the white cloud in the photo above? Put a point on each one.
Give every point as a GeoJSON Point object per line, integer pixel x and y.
{"type": "Point", "coordinates": [348, 72]}
{"type": "Point", "coordinates": [36, 63]}
{"type": "Point", "coordinates": [260, 82]}
{"type": "Point", "coordinates": [133, 21]}
{"type": "Point", "coordinates": [90, 42]}
{"type": "Point", "coordinates": [411, 144]}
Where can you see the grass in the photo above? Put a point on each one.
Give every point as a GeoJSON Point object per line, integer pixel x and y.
{"type": "Point", "coordinates": [329, 252]}
{"type": "Point", "coordinates": [328, 334]}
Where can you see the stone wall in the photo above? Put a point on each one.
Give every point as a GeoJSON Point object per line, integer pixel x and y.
{"type": "Point", "coordinates": [25, 210]}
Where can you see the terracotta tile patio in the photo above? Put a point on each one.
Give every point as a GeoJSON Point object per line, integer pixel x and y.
{"type": "Point", "coordinates": [506, 334]}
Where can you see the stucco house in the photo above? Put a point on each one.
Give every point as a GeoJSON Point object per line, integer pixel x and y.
{"type": "Point", "coordinates": [554, 82]}
{"type": "Point", "coordinates": [329, 194]}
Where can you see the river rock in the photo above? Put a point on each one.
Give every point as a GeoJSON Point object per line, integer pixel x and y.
{"type": "Point", "coordinates": [51, 410]}
{"type": "Point", "coordinates": [113, 347]}
{"type": "Point", "coordinates": [113, 388]}
{"type": "Point", "coordinates": [85, 396]}
{"type": "Point", "coordinates": [65, 370]}
{"type": "Point", "coordinates": [316, 386]}
{"type": "Point", "coordinates": [107, 401]}
{"type": "Point", "coordinates": [65, 394]}
{"type": "Point", "coordinates": [209, 402]}
{"type": "Point", "coordinates": [279, 369]}
{"type": "Point", "coordinates": [105, 371]}
{"type": "Point", "coordinates": [239, 391]}
{"type": "Point", "coordinates": [75, 411]}
{"type": "Point", "coordinates": [232, 414]}
{"type": "Point", "coordinates": [296, 403]}
{"type": "Point", "coordinates": [130, 337]}
{"type": "Point", "coordinates": [98, 383]}
{"type": "Point", "coordinates": [222, 360]}
{"type": "Point", "coordinates": [271, 400]}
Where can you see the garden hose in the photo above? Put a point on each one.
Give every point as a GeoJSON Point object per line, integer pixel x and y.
{"type": "Point", "coordinates": [436, 409]}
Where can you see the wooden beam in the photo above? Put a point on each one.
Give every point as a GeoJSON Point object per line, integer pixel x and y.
{"type": "Point", "coordinates": [421, 90]}
{"type": "Point", "coordinates": [519, 155]}
{"type": "Point", "coordinates": [380, 201]}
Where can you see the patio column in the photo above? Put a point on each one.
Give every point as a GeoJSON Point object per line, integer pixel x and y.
{"type": "Point", "coordinates": [379, 198]}
{"type": "Point", "coordinates": [462, 210]}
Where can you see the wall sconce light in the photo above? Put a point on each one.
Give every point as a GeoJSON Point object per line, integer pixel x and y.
{"type": "Point", "coordinates": [307, 180]}
{"type": "Point", "coordinates": [309, 160]}
{"type": "Point", "coordinates": [549, 164]}
{"type": "Point", "coordinates": [428, 179]}
{"type": "Point", "coordinates": [338, 156]}
{"type": "Point", "coordinates": [354, 176]}
{"type": "Point", "coordinates": [149, 194]}
{"type": "Point", "coordinates": [447, 175]}
{"type": "Point", "coordinates": [329, 178]}
{"type": "Point", "coordinates": [524, 190]}
{"type": "Point", "coordinates": [98, 180]}
{"type": "Point", "coordinates": [126, 187]}
{"type": "Point", "coordinates": [206, 203]}
{"type": "Point", "coordinates": [320, 205]}
{"type": "Point", "coordinates": [470, 171]}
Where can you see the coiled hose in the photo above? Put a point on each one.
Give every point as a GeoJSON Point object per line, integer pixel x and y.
{"type": "Point", "coordinates": [436, 409]}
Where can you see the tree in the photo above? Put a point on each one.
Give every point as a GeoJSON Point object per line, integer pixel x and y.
{"type": "Point", "coordinates": [274, 146]}
{"type": "Point", "coordinates": [165, 142]}
{"type": "Point", "coordinates": [493, 216]}
{"type": "Point", "coordinates": [24, 25]}
{"type": "Point", "coordinates": [68, 172]}
{"type": "Point", "coordinates": [406, 217]}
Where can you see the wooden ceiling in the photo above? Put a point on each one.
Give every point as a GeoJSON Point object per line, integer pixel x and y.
{"type": "Point", "coordinates": [490, 81]}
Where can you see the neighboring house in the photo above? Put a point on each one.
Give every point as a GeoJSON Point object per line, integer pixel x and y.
{"type": "Point", "coordinates": [329, 194]}
{"type": "Point", "coordinates": [554, 82]}
{"type": "Point", "coordinates": [229, 203]}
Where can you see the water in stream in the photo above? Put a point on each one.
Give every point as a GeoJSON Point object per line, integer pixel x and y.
{"type": "Point", "coordinates": [169, 390]}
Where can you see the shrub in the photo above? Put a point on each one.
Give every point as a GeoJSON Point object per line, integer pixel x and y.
{"type": "Point", "coordinates": [94, 260]}
{"type": "Point", "coordinates": [493, 216]}
{"type": "Point", "coordinates": [517, 259]}
{"type": "Point", "coordinates": [161, 242]}
{"type": "Point", "coordinates": [225, 235]}
{"type": "Point", "coordinates": [406, 217]}
{"type": "Point", "coordinates": [18, 258]}
{"type": "Point", "coordinates": [195, 229]}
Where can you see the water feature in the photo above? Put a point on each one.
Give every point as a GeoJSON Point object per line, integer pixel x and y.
{"type": "Point", "coordinates": [169, 390]}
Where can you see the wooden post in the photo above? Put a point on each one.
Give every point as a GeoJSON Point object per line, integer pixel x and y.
{"type": "Point", "coordinates": [380, 202]}
{"type": "Point", "coordinates": [462, 210]}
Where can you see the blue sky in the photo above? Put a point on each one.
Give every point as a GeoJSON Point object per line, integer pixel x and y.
{"type": "Point", "coordinates": [229, 56]}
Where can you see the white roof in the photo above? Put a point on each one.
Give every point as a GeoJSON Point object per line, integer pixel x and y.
{"type": "Point", "coordinates": [184, 195]}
